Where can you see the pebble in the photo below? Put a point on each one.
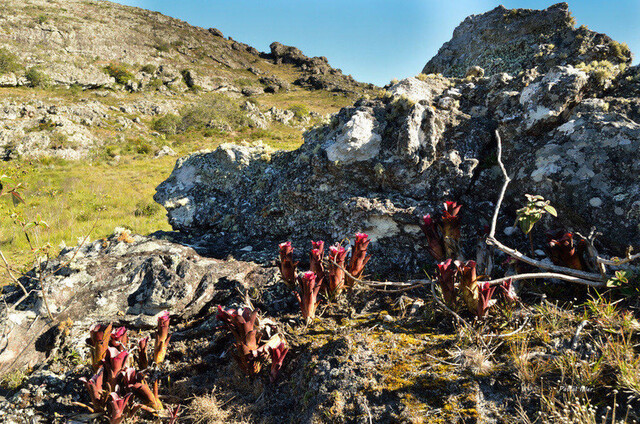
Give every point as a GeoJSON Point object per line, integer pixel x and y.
{"type": "Point", "coordinates": [596, 202]}
{"type": "Point", "coordinates": [509, 231]}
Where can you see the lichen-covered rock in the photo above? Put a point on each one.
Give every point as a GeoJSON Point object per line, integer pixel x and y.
{"type": "Point", "coordinates": [514, 40]}
{"type": "Point", "coordinates": [125, 278]}
{"type": "Point", "coordinates": [546, 100]}
{"type": "Point", "coordinates": [382, 163]}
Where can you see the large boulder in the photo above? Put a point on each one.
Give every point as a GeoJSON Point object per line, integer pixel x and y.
{"type": "Point", "coordinates": [513, 40]}
{"type": "Point", "coordinates": [125, 278]}
{"type": "Point", "coordinates": [381, 164]}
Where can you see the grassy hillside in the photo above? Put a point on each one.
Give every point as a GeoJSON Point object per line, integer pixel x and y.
{"type": "Point", "coordinates": [91, 91]}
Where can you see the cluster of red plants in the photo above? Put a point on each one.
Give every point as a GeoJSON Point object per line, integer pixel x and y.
{"type": "Point", "coordinates": [326, 274]}
{"type": "Point", "coordinates": [250, 352]}
{"type": "Point", "coordinates": [454, 275]}
{"type": "Point", "coordinates": [565, 250]}
{"type": "Point", "coordinates": [117, 385]}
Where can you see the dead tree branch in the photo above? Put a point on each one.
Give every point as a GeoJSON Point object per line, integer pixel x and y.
{"type": "Point", "coordinates": [563, 273]}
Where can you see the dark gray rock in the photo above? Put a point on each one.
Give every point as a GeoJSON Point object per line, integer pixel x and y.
{"type": "Point", "coordinates": [216, 32]}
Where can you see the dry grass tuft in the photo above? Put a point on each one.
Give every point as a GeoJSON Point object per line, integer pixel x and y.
{"type": "Point", "coordinates": [208, 409]}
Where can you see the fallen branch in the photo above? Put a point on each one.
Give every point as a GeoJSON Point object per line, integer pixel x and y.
{"type": "Point", "coordinates": [492, 241]}
{"type": "Point", "coordinates": [379, 285]}
{"type": "Point", "coordinates": [534, 275]}
{"type": "Point", "coordinates": [617, 261]}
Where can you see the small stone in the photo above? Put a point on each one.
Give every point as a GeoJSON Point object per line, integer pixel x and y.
{"type": "Point", "coordinates": [474, 72]}
{"type": "Point", "coordinates": [387, 318]}
{"type": "Point", "coordinates": [596, 202]}
{"type": "Point", "coordinates": [618, 211]}
{"type": "Point", "coordinates": [540, 253]}
{"type": "Point", "coordinates": [509, 231]}
{"type": "Point", "coordinates": [247, 249]}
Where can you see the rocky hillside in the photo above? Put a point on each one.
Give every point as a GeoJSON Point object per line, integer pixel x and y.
{"type": "Point", "coordinates": [77, 74]}
{"type": "Point", "coordinates": [72, 42]}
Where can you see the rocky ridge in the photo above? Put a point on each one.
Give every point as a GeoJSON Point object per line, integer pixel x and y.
{"type": "Point", "coordinates": [515, 40]}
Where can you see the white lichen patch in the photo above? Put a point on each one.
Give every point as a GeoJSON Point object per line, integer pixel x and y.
{"type": "Point", "coordinates": [357, 142]}
{"type": "Point", "coordinates": [379, 227]}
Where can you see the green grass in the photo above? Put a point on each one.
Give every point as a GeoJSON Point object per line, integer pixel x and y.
{"type": "Point", "coordinates": [71, 197]}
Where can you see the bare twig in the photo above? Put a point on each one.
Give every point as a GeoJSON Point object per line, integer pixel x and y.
{"type": "Point", "coordinates": [8, 268]}
{"type": "Point", "coordinates": [618, 261]}
{"type": "Point", "coordinates": [491, 239]}
{"type": "Point", "coordinates": [446, 308]}
{"type": "Point", "coordinates": [381, 285]}
{"type": "Point", "coordinates": [532, 276]}
{"type": "Point", "coordinates": [576, 336]}
{"type": "Point", "coordinates": [513, 333]}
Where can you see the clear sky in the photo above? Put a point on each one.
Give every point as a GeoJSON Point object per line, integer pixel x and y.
{"type": "Point", "coordinates": [375, 40]}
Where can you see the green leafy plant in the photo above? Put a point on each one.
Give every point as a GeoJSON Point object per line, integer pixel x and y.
{"type": "Point", "coordinates": [532, 212]}
{"type": "Point", "coordinates": [627, 286]}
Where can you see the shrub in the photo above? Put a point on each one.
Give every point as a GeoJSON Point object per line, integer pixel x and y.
{"type": "Point", "coordinates": [243, 82]}
{"type": "Point", "coordinates": [8, 62]}
{"type": "Point", "coordinates": [146, 209]}
{"type": "Point", "coordinates": [299, 111]}
{"type": "Point", "coordinates": [59, 141]}
{"type": "Point", "coordinates": [149, 68]}
{"type": "Point", "coordinates": [216, 109]}
{"type": "Point", "coordinates": [37, 78]}
{"type": "Point", "coordinates": [167, 124]}
{"type": "Point", "coordinates": [119, 72]}
{"type": "Point", "coordinates": [162, 46]}
{"type": "Point", "coordinates": [155, 83]}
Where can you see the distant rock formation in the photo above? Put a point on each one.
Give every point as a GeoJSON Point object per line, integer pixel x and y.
{"type": "Point", "coordinates": [513, 40]}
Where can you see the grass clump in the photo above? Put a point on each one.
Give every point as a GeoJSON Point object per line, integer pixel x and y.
{"type": "Point", "coordinates": [8, 62]}
{"type": "Point", "coordinates": [13, 380]}
{"type": "Point", "coordinates": [621, 51]}
{"type": "Point", "coordinates": [601, 71]}
{"type": "Point", "coordinates": [119, 72]}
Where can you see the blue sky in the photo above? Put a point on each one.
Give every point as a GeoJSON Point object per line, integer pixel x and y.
{"type": "Point", "coordinates": [375, 40]}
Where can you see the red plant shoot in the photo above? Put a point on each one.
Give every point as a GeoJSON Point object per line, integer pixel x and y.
{"type": "Point", "coordinates": [337, 254]}
{"type": "Point", "coordinates": [99, 336]}
{"type": "Point", "coordinates": [308, 296]}
{"type": "Point", "coordinates": [162, 338]}
{"type": "Point", "coordinates": [277, 358]}
{"type": "Point", "coordinates": [317, 255]}
{"type": "Point", "coordinates": [359, 258]}
{"type": "Point", "coordinates": [287, 265]}
{"type": "Point", "coordinates": [435, 244]}
{"type": "Point", "coordinates": [447, 273]}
